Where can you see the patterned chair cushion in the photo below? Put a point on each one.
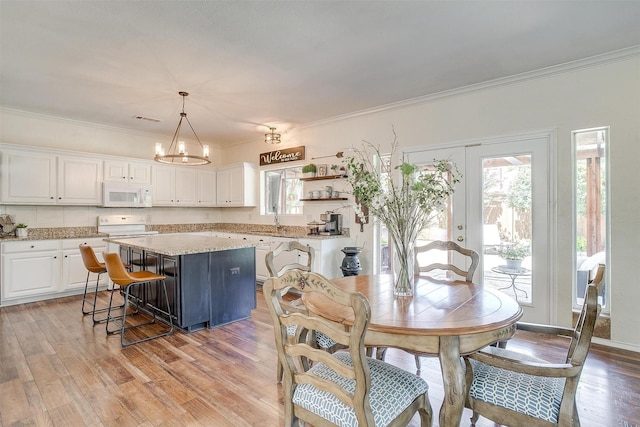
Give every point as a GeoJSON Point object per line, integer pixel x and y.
{"type": "Point", "coordinates": [392, 390]}
{"type": "Point", "coordinates": [322, 340]}
{"type": "Point", "coordinates": [539, 397]}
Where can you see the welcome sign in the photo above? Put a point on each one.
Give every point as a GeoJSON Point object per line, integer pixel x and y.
{"type": "Point", "coordinates": [282, 156]}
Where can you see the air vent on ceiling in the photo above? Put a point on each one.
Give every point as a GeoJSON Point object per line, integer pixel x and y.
{"type": "Point", "coordinates": [149, 119]}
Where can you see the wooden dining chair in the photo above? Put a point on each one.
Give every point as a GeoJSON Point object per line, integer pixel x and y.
{"type": "Point", "coordinates": [516, 389]}
{"type": "Point", "coordinates": [295, 305]}
{"type": "Point", "coordinates": [345, 388]}
{"type": "Point", "coordinates": [126, 280]}
{"type": "Point", "coordinates": [447, 246]}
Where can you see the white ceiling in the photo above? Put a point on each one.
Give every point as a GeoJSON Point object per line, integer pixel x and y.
{"type": "Point", "coordinates": [249, 64]}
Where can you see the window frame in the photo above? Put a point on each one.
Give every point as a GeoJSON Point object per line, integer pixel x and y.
{"type": "Point", "coordinates": [264, 209]}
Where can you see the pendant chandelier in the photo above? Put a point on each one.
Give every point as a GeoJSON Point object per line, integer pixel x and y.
{"type": "Point", "coordinates": [177, 153]}
{"type": "Point", "coordinates": [272, 138]}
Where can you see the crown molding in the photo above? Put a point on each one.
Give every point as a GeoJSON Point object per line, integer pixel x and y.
{"type": "Point", "coordinates": [609, 57]}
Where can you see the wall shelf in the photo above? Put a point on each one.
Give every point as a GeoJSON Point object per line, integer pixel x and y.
{"type": "Point", "coordinates": [324, 199]}
{"type": "Point", "coordinates": [320, 178]}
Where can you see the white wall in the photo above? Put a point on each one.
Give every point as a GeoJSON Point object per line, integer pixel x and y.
{"type": "Point", "coordinates": [596, 95]}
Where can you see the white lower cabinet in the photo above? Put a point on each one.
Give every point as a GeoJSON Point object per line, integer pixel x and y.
{"type": "Point", "coordinates": [74, 274]}
{"type": "Point", "coordinates": [328, 255]}
{"type": "Point", "coordinates": [327, 261]}
{"type": "Point", "coordinates": [39, 269]}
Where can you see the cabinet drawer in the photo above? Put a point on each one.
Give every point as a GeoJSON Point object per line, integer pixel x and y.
{"type": "Point", "coordinates": [30, 246]}
{"type": "Point", "coordinates": [91, 241]}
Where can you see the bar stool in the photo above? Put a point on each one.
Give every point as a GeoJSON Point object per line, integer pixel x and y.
{"type": "Point", "coordinates": [126, 280]}
{"type": "Point", "coordinates": [92, 265]}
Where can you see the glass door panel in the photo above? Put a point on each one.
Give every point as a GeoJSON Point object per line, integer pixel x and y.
{"type": "Point", "coordinates": [506, 219]}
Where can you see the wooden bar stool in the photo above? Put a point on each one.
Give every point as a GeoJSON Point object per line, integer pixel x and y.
{"type": "Point", "coordinates": [126, 280]}
{"type": "Point", "coordinates": [92, 265]}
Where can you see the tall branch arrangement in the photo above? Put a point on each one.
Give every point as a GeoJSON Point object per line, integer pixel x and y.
{"type": "Point", "coordinates": [407, 200]}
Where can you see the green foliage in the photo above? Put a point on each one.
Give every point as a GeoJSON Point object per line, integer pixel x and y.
{"type": "Point", "coordinates": [519, 193]}
{"type": "Point", "coordinates": [405, 197]}
{"type": "Point", "coordinates": [21, 225]}
{"type": "Point", "coordinates": [310, 168]}
{"type": "Point", "coordinates": [520, 250]}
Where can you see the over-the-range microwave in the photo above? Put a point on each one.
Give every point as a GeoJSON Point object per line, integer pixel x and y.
{"type": "Point", "coordinates": [126, 195]}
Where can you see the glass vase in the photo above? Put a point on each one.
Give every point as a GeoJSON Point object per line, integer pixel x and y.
{"type": "Point", "coordinates": [403, 270]}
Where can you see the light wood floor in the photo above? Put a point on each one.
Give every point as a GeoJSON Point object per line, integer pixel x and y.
{"type": "Point", "coordinates": [56, 368]}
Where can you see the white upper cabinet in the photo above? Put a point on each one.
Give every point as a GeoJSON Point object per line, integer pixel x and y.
{"type": "Point", "coordinates": [127, 172]}
{"type": "Point", "coordinates": [164, 186]}
{"type": "Point", "coordinates": [236, 185]}
{"type": "Point", "coordinates": [206, 187]}
{"type": "Point", "coordinates": [186, 186]}
{"type": "Point", "coordinates": [38, 178]}
{"type": "Point", "coordinates": [28, 178]}
{"type": "Point", "coordinates": [174, 186]}
{"type": "Point", "coordinates": [79, 181]}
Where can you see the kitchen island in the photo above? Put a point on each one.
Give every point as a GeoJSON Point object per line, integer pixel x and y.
{"type": "Point", "coordinates": [210, 281]}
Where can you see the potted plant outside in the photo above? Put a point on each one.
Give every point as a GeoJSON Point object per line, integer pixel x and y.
{"type": "Point", "coordinates": [21, 230]}
{"type": "Point", "coordinates": [514, 254]}
{"type": "Point", "coordinates": [309, 171]}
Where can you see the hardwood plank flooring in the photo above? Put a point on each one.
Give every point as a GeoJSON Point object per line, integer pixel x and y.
{"type": "Point", "coordinates": [57, 369]}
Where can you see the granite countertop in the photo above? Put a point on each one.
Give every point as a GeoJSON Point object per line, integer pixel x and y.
{"type": "Point", "coordinates": [291, 232]}
{"type": "Point", "coordinates": [172, 245]}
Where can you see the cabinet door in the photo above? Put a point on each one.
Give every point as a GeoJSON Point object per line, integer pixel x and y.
{"type": "Point", "coordinates": [29, 274]}
{"type": "Point", "coordinates": [236, 186]}
{"type": "Point", "coordinates": [116, 171]}
{"type": "Point", "coordinates": [28, 178]}
{"type": "Point", "coordinates": [79, 181]}
{"type": "Point", "coordinates": [223, 178]}
{"type": "Point", "coordinates": [206, 188]}
{"type": "Point", "coordinates": [139, 173]}
{"type": "Point", "coordinates": [74, 273]}
{"type": "Point", "coordinates": [186, 182]}
{"type": "Point", "coordinates": [164, 186]}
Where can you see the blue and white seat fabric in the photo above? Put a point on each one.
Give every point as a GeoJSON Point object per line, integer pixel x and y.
{"type": "Point", "coordinates": [323, 341]}
{"type": "Point", "coordinates": [392, 390]}
{"type": "Point", "coordinates": [539, 397]}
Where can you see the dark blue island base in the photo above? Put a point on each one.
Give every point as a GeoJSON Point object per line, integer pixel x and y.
{"type": "Point", "coordinates": [205, 290]}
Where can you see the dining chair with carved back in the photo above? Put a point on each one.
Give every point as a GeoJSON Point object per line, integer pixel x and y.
{"type": "Point", "coordinates": [449, 247]}
{"type": "Point", "coordinates": [294, 304]}
{"type": "Point", "coordinates": [345, 388]}
{"type": "Point", "coordinates": [511, 388]}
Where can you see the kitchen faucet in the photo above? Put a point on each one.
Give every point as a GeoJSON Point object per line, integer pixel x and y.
{"type": "Point", "coordinates": [275, 218]}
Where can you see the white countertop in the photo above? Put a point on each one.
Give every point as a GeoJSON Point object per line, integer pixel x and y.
{"type": "Point", "coordinates": [181, 244]}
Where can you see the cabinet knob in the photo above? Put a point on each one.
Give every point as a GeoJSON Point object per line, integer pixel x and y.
{"type": "Point", "coordinates": [32, 246]}
{"type": "Point", "coordinates": [55, 257]}
{"type": "Point", "coordinates": [51, 197]}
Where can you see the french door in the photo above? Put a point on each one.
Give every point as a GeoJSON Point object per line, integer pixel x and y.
{"type": "Point", "coordinates": [501, 202]}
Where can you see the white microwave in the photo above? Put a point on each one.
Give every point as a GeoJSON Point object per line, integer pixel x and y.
{"type": "Point", "coordinates": [126, 195]}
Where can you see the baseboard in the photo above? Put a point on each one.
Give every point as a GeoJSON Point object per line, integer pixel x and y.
{"type": "Point", "coordinates": [615, 344]}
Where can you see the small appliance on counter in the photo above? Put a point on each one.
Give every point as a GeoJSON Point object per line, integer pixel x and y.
{"type": "Point", "coordinates": [314, 227]}
{"type": "Point", "coordinates": [332, 223]}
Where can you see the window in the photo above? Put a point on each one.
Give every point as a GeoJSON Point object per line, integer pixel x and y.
{"type": "Point", "coordinates": [591, 208]}
{"type": "Point", "coordinates": [282, 191]}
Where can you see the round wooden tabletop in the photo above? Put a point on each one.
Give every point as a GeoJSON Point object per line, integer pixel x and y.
{"type": "Point", "coordinates": [438, 308]}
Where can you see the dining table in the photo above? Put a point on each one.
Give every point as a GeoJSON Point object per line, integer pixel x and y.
{"type": "Point", "coordinates": [443, 318]}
